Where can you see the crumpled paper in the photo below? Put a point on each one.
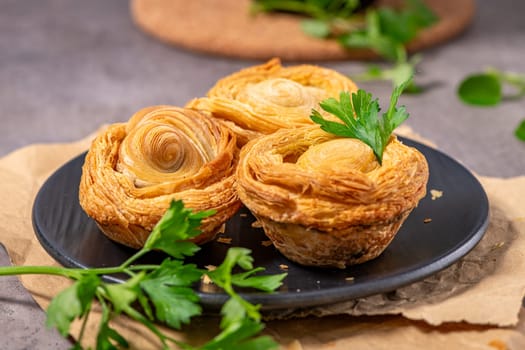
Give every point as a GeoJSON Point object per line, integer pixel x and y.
{"type": "Point", "coordinates": [474, 304]}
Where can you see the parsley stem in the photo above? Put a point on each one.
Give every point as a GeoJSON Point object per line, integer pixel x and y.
{"type": "Point", "coordinates": [41, 270]}
{"type": "Point", "coordinates": [513, 79]}
{"type": "Point", "coordinates": [137, 316]}
{"type": "Point", "coordinates": [83, 326]}
{"type": "Point", "coordinates": [134, 257]}
{"type": "Point", "coordinates": [73, 273]}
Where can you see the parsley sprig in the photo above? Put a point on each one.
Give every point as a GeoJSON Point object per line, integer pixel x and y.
{"type": "Point", "coordinates": [164, 292]}
{"type": "Point", "coordinates": [387, 32]}
{"type": "Point", "coordinates": [356, 25]}
{"type": "Point", "coordinates": [360, 116]}
{"type": "Point", "coordinates": [318, 9]}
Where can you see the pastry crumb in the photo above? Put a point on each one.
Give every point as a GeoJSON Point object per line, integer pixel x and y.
{"type": "Point", "coordinates": [225, 240]}
{"type": "Point", "coordinates": [205, 278]}
{"type": "Point", "coordinates": [243, 215]}
{"type": "Point", "coordinates": [266, 243]}
{"type": "Point", "coordinates": [349, 279]}
{"type": "Point", "coordinates": [256, 224]}
{"type": "Point", "coordinates": [436, 194]}
{"type": "Point", "coordinates": [498, 245]}
{"type": "Point", "coordinates": [427, 220]}
{"type": "Point", "coordinates": [295, 345]}
{"type": "Point", "coordinates": [283, 267]}
{"type": "Point", "coordinates": [498, 344]}
{"type": "Point", "coordinates": [222, 229]}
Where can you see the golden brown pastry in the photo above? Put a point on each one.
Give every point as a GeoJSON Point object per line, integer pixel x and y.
{"type": "Point", "coordinates": [133, 171]}
{"type": "Point", "coordinates": [325, 200]}
{"type": "Point", "coordinates": [265, 98]}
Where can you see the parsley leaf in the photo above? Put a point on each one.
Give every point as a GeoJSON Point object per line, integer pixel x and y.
{"type": "Point", "coordinates": [73, 302]}
{"type": "Point", "coordinates": [486, 88]}
{"type": "Point", "coordinates": [316, 28]}
{"type": "Point", "coordinates": [325, 9]}
{"type": "Point", "coordinates": [355, 24]}
{"type": "Point", "coordinates": [520, 130]}
{"type": "Point", "coordinates": [397, 74]}
{"type": "Point", "coordinates": [239, 336]}
{"type": "Point", "coordinates": [174, 228]}
{"type": "Point", "coordinates": [223, 276]}
{"type": "Point", "coordinates": [372, 37]}
{"type": "Point", "coordinates": [241, 319]}
{"type": "Point", "coordinates": [360, 115]}
{"type": "Point", "coordinates": [169, 289]}
{"type": "Point", "coordinates": [107, 336]}
{"type": "Point", "coordinates": [267, 283]}
{"type": "Point", "coordinates": [388, 30]}
{"type": "Point", "coordinates": [404, 25]}
{"type": "Point", "coordinates": [481, 90]}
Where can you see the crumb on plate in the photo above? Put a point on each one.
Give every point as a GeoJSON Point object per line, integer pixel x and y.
{"type": "Point", "coordinates": [266, 243]}
{"type": "Point", "coordinates": [436, 194]}
{"type": "Point", "coordinates": [225, 240]}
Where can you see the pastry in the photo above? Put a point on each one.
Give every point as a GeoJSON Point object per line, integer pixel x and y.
{"type": "Point", "coordinates": [325, 200]}
{"type": "Point", "coordinates": [265, 98]}
{"type": "Point", "coordinates": [133, 171]}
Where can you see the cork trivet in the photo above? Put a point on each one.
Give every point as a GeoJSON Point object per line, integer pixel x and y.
{"type": "Point", "coordinates": [227, 28]}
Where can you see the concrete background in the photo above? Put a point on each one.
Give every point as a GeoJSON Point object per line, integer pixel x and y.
{"type": "Point", "coordinates": [68, 66]}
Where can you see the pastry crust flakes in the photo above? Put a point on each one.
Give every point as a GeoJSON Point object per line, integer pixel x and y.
{"type": "Point", "coordinates": [263, 99]}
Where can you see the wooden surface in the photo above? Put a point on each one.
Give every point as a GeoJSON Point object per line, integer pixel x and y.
{"type": "Point", "coordinates": [226, 28]}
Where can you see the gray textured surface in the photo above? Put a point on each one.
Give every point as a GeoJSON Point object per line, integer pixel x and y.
{"type": "Point", "coordinates": [67, 66]}
{"type": "Point", "coordinates": [21, 319]}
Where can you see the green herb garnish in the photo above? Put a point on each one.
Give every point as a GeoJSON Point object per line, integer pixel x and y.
{"type": "Point", "coordinates": [360, 116]}
{"type": "Point", "coordinates": [397, 74]}
{"type": "Point", "coordinates": [520, 130]}
{"type": "Point", "coordinates": [387, 31]}
{"type": "Point", "coordinates": [490, 88]}
{"type": "Point", "coordinates": [486, 88]}
{"type": "Point", "coordinates": [354, 24]}
{"type": "Point", "coordinates": [164, 292]}
{"type": "Point", "coordinates": [318, 9]}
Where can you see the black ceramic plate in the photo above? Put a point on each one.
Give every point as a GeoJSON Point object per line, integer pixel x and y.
{"type": "Point", "coordinates": [459, 220]}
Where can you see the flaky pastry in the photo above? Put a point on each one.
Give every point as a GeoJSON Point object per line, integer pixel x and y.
{"type": "Point", "coordinates": [263, 99]}
{"type": "Point", "coordinates": [325, 200]}
{"type": "Point", "coordinates": [133, 171]}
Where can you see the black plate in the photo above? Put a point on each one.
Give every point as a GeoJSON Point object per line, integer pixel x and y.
{"type": "Point", "coordinates": [459, 220]}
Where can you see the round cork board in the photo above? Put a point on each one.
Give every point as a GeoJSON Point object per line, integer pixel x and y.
{"type": "Point", "coordinates": [226, 28]}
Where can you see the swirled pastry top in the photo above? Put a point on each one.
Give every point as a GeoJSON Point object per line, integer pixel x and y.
{"type": "Point", "coordinates": [133, 170]}
{"type": "Point", "coordinates": [268, 97]}
{"type": "Point", "coordinates": [309, 177]}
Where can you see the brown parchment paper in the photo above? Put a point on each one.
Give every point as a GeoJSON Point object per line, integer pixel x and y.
{"type": "Point", "coordinates": [473, 304]}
